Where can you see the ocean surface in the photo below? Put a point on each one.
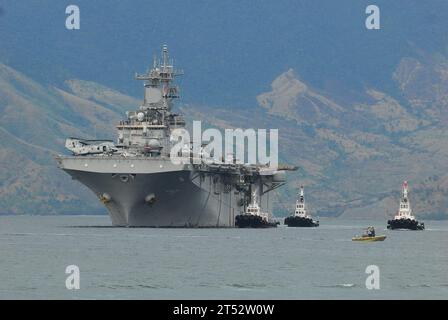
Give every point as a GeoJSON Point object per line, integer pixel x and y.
{"type": "Point", "coordinates": [282, 263]}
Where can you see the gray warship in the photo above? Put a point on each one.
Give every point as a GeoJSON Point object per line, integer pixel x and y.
{"type": "Point", "coordinates": [139, 184]}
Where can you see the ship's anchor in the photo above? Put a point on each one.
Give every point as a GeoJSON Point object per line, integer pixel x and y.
{"type": "Point", "coordinates": [105, 198]}
{"type": "Point", "coordinates": [150, 199]}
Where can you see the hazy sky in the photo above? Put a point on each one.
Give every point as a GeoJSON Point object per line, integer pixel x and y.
{"type": "Point", "coordinates": [230, 50]}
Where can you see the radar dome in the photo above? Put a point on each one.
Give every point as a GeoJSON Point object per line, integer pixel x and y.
{"type": "Point", "coordinates": [140, 116]}
{"type": "Point", "coordinates": [154, 144]}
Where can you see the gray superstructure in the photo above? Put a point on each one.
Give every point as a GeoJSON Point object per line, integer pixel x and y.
{"type": "Point", "coordinates": [140, 185]}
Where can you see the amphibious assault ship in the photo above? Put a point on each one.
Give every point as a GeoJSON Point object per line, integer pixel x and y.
{"type": "Point", "coordinates": [300, 218]}
{"type": "Point", "coordinates": [139, 183]}
{"type": "Point", "coordinates": [404, 218]}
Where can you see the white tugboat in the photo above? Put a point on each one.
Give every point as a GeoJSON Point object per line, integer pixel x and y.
{"type": "Point", "coordinates": [300, 217]}
{"type": "Point", "coordinates": [404, 218]}
{"type": "Point", "coordinates": [253, 217]}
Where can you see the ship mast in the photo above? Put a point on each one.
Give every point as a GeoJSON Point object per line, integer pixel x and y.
{"type": "Point", "coordinates": [405, 211]}
{"type": "Point", "coordinates": [158, 89]}
{"type": "Point", "coordinates": [300, 204]}
{"type": "Point", "coordinates": [254, 199]}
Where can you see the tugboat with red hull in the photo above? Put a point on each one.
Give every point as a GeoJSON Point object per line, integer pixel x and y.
{"type": "Point", "coordinates": [253, 217]}
{"type": "Point", "coordinates": [300, 217]}
{"type": "Point", "coordinates": [404, 218]}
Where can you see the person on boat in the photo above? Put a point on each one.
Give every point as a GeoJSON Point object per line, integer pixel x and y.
{"type": "Point", "coordinates": [370, 231]}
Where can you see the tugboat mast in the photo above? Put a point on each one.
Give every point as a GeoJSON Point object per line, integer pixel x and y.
{"type": "Point", "coordinates": [254, 199]}
{"type": "Point", "coordinates": [254, 208]}
{"type": "Point", "coordinates": [300, 204]}
{"type": "Point", "coordinates": [405, 211]}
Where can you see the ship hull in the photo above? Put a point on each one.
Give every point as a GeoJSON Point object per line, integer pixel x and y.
{"type": "Point", "coordinates": [169, 199]}
{"type": "Point", "coordinates": [294, 221]}
{"type": "Point", "coordinates": [154, 192]}
{"type": "Point", "coordinates": [404, 224]}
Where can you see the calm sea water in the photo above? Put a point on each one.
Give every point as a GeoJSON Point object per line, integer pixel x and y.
{"type": "Point", "coordinates": [282, 263]}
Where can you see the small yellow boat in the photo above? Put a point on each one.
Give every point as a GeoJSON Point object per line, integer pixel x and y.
{"type": "Point", "coordinates": [369, 236]}
{"type": "Point", "coordinates": [369, 239]}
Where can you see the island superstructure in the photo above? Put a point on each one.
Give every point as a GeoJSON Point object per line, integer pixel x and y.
{"type": "Point", "coordinates": [139, 183]}
{"type": "Point", "coordinates": [404, 218]}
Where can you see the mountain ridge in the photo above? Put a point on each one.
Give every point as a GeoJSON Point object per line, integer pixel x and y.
{"type": "Point", "coordinates": [339, 147]}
